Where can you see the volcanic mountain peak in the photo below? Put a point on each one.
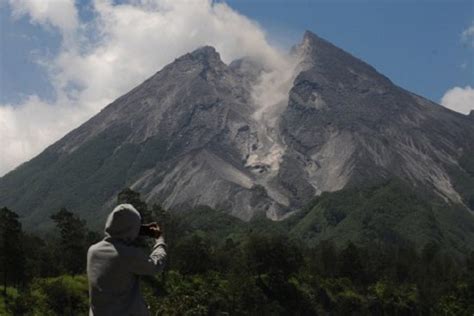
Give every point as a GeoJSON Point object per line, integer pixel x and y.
{"type": "Point", "coordinates": [247, 139]}
{"type": "Point", "coordinates": [336, 64]}
{"type": "Point", "coordinates": [205, 52]}
{"type": "Point", "coordinates": [312, 42]}
{"type": "Point", "coordinates": [205, 55]}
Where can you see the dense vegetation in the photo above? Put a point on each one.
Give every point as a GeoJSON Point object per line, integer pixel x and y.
{"type": "Point", "coordinates": [219, 265]}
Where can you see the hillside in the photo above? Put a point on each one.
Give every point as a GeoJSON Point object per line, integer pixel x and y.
{"type": "Point", "coordinates": [201, 132]}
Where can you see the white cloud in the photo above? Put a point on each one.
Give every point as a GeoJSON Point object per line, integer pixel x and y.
{"type": "Point", "coordinates": [57, 13]}
{"type": "Point", "coordinates": [25, 129]}
{"type": "Point", "coordinates": [459, 99]}
{"type": "Point", "coordinates": [467, 36]}
{"type": "Point", "coordinates": [102, 59]}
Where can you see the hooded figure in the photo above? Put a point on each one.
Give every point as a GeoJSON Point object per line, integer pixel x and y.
{"type": "Point", "coordinates": [113, 266]}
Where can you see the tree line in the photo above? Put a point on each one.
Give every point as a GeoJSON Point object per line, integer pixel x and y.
{"type": "Point", "coordinates": [218, 272]}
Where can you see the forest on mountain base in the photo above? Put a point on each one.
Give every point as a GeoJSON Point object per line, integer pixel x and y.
{"type": "Point", "coordinates": [219, 265]}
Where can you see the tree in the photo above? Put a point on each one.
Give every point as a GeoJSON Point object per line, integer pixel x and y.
{"type": "Point", "coordinates": [128, 196]}
{"type": "Point", "coordinates": [12, 256]}
{"type": "Point", "coordinates": [71, 247]}
{"type": "Point", "coordinates": [324, 258]}
{"type": "Point", "coordinates": [41, 259]}
{"type": "Point", "coordinates": [193, 255]}
{"type": "Point", "coordinates": [350, 263]}
{"type": "Point", "coordinates": [274, 260]}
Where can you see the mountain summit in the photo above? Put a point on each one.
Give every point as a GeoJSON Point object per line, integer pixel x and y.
{"type": "Point", "coordinates": [196, 133]}
{"type": "Point", "coordinates": [351, 125]}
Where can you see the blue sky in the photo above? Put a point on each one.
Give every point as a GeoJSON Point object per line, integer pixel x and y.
{"type": "Point", "coordinates": [417, 44]}
{"type": "Point", "coordinates": [62, 61]}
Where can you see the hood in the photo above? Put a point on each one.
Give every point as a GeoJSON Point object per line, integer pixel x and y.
{"type": "Point", "coordinates": [123, 223]}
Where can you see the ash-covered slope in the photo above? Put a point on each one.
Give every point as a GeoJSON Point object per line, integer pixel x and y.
{"type": "Point", "coordinates": [200, 132]}
{"type": "Point", "coordinates": [346, 124]}
{"type": "Point", "coordinates": [180, 138]}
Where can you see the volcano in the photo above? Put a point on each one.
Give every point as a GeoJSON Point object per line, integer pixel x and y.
{"type": "Point", "coordinates": [243, 139]}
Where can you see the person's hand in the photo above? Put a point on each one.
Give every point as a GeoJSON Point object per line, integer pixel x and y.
{"type": "Point", "coordinates": [155, 230]}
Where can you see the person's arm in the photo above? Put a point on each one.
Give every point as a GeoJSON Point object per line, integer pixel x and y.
{"type": "Point", "coordinates": [158, 254]}
{"type": "Point", "coordinates": [142, 264]}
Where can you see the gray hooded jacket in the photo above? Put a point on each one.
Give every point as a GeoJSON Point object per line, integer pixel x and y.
{"type": "Point", "coordinates": [113, 266]}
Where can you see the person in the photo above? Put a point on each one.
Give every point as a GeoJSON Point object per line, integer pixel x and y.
{"type": "Point", "coordinates": [115, 264]}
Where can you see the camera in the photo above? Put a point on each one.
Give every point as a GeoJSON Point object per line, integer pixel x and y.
{"type": "Point", "coordinates": [149, 230]}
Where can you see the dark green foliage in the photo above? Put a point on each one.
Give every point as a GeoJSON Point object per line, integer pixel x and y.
{"type": "Point", "coordinates": [64, 295]}
{"type": "Point", "coordinates": [84, 181]}
{"type": "Point", "coordinates": [193, 255]}
{"type": "Point", "coordinates": [128, 196]}
{"type": "Point", "coordinates": [273, 255]}
{"type": "Point", "coordinates": [34, 266]}
{"type": "Point", "coordinates": [389, 214]}
{"type": "Point", "coordinates": [268, 275]}
{"type": "Point", "coordinates": [350, 263]}
{"type": "Point", "coordinates": [219, 265]}
{"type": "Point", "coordinates": [216, 224]}
{"type": "Point", "coordinates": [72, 244]}
{"type": "Point", "coordinates": [12, 256]}
{"type": "Point", "coordinates": [42, 256]}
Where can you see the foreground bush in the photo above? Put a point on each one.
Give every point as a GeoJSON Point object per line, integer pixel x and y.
{"type": "Point", "coordinates": [63, 295]}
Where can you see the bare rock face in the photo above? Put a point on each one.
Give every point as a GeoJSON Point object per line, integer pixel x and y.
{"type": "Point", "coordinates": [200, 132]}
{"type": "Point", "coordinates": [346, 124]}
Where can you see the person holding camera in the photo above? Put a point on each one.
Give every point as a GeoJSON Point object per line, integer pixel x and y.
{"type": "Point", "coordinates": [115, 264]}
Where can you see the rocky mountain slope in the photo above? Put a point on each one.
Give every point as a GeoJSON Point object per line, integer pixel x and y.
{"type": "Point", "coordinates": [240, 138]}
